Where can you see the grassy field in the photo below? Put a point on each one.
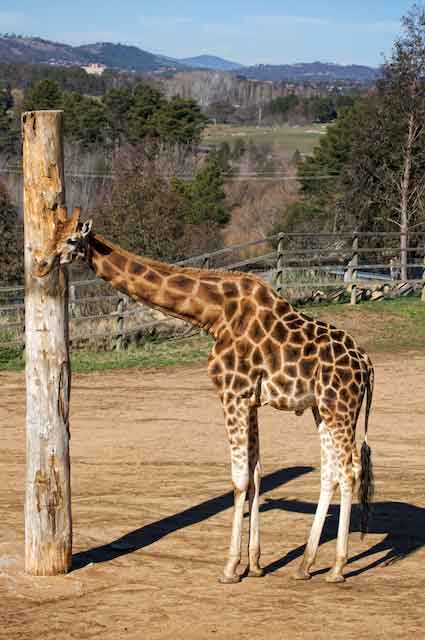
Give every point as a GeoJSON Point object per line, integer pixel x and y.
{"type": "Point", "coordinates": [391, 325]}
{"type": "Point", "coordinates": [153, 354]}
{"type": "Point", "coordinates": [285, 139]}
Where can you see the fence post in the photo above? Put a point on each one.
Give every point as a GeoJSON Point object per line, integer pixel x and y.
{"type": "Point", "coordinates": [121, 307]}
{"type": "Point", "coordinates": [72, 298]}
{"type": "Point", "coordinates": [280, 263]}
{"type": "Point", "coordinates": [403, 254]}
{"type": "Point", "coordinates": [354, 262]}
{"type": "Point", "coordinates": [48, 522]}
{"type": "Point", "coordinates": [423, 282]}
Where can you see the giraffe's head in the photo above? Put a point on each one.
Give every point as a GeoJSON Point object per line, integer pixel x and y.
{"type": "Point", "coordinates": [68, 243]}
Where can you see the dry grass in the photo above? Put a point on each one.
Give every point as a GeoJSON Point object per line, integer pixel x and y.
{"type": "Point", "coordinates": [387, 326]}
{"type": "Point", "coordinates": [285, 139]}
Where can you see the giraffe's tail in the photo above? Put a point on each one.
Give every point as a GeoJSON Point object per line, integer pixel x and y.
{"type": "Point", "coordinates": [366, 486]}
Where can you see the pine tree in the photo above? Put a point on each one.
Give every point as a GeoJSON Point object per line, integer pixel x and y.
{"type": "Point", "coordinates": [147, 104]}
{"type": "Point", "coordinates": [180, 121]}
{"type": "Point", "coordinates": [11, 242]}
{"type": "Point", "coordinates": [45, 94]}
{"type": "Point", "coordinates": [85, 119]}
{"type": "Point", "coordinates": [9, 133]}
{"type": "Point", "coordinates": [206, 195]}
{"type": "Point", "coordinates": [118, 104]}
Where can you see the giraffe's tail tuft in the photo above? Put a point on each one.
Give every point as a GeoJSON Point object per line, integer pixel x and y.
{"type": "Point", "coordinates": [366, 486]}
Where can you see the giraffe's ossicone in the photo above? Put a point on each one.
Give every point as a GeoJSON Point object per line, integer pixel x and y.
{"type": "Point", "coordinates": [265, 353]}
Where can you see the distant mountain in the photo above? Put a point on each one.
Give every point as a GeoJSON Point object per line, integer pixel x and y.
{"type": "Point", "coordinates": [311, 71]}
{"type": "Point", "coordinates": [37, 51]}
{"type": "Point", "coordinates": [118, 56]}
{"type": "Point", "coordinates": [129, 58]}
{"type": "Point", "coordinates": [125, 57]}
{"type": "Point", "coordinates": [211, 62]}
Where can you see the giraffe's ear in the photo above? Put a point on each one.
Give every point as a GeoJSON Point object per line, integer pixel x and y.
{"type": "Point", "coordinates": [65, 225]}
{"type": "Point", "coordinates": [86, 228]}
{"type": "Point", "coordinates": [62, 213]}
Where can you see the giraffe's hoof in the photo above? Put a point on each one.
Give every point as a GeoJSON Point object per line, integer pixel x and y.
{"type": "Point", "coordinates": [334, 577]}
{"type": "Point", "coordinates": [229, 579]}
{"type": "Point", "coordinates": [258, 572]}
{"type": "Point", "coordinates": [301, 574]}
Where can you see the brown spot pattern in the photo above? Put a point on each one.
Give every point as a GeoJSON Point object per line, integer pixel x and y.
{"type": "Point", "coordinates": [262, 345]}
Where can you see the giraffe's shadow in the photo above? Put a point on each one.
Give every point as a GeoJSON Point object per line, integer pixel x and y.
{"type": "Point", "coordinates": [402, 524]}
{"type": "Point", "coordinates": [147, 535]}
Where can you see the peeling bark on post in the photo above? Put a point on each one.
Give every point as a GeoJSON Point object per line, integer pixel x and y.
{"type": "Point", "coordinates": [48, 524]}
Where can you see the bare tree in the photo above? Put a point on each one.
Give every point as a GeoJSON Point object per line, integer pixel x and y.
{"type": "Point", "coordinates": [382, 181]}
{"type": "Point", "coordinates": [403, 87]}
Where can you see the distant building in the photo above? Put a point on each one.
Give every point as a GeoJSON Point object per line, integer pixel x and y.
{"type": "Point", "coordinates": [94, 69]}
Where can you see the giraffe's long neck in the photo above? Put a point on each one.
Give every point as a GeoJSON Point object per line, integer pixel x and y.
{"type": "Point", "coordinates": [190, 294]}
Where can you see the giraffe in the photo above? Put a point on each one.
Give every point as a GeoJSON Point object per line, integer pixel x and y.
{"type": "Point", "coordinates": [265, 353]}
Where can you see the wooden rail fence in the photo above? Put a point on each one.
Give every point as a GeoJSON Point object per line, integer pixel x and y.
{"type": "Point", "coordinates": [305, 268]}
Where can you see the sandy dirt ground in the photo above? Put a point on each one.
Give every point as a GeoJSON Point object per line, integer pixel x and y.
{"type": "Point", "coordinates": [152, 515]}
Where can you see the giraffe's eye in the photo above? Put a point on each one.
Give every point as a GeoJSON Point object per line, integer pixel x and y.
{"type": "Point", "coordinates": [72, 242]}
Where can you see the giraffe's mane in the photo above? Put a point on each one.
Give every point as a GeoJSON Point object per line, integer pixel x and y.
{"type": "Point", "coordinates": [196, 272]}
{"type": "Point", "coordinates": [193, 271]}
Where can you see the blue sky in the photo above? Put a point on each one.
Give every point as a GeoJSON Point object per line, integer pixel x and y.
{"type": "Point", "coordinates": [248, 31]}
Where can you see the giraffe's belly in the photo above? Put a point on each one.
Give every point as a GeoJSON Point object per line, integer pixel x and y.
{"type": "Point", "coordinates": [286, 396]}
{"type": "Point", "coordinates": [298, 405]}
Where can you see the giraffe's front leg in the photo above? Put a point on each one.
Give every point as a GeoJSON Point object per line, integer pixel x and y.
{"type": "Point", "coordinates": [254, 551]}
{"type": "Point", "coordinates": [237, 424]}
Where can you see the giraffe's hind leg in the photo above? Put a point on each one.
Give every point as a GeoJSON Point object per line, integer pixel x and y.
{"type": "Point", "coordinates": [254, 552]}
{"type": "Point", "coordinates": [337, 442]}
{"type": "Point", "coordinates": [338, 406]}
{"type": "Point", "coordinates": [328, 484]}
{"type": "Point", "coordinates": [343, 444]}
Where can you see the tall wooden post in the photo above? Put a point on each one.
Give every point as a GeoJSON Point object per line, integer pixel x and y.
{"type": "Point", "coordinates": [48, 523]}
